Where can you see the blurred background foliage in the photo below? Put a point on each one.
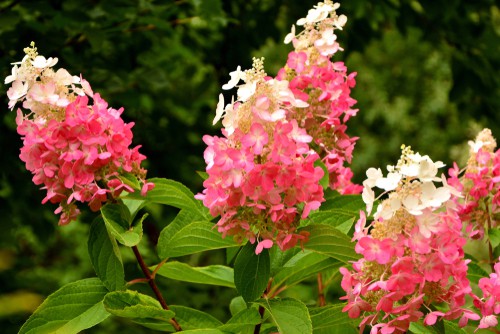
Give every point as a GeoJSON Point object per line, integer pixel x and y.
{"type": "Point", "coordinates": [428, 76]}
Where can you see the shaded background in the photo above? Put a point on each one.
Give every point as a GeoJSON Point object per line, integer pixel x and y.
{"type": "Point", "coordinates": [428, 76]}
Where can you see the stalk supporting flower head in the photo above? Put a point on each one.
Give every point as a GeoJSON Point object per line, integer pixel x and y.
{"type": "Point", "coordinates": [76, 149]}
{"type": "Point", "coordinates": [263, 174]}
{"type": "Point", "coordinates": [413, 254]}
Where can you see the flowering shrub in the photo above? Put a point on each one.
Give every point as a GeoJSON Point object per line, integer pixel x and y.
{"type": "Point", "coordinates": [278, 174]}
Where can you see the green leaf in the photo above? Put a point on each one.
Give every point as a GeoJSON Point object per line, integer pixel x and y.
{"type": "Point", "coordinates": [185, 238]}
{"type": "Point", "coordinates": [331, 319]}
{"type": "Point", "coordinates": [339, 211]}
{"type": "Point", "coordinates": [175, 194]}
{"type": "Point", "coordinates": [325, 180]}
{"type": "Point", "coordinates": [302, 265]}
{"type": "Point", "coordinates": [279, 258]}
{"type": "Point", "coordinates": [420, 328]}
{"type": "Point", "coordinates": [132, 304]}
{"type": "Point", "coordinates": [105, 256]}
{"type": "Point", "coordinates": [251, 272]}
{"type": "Point", "coordinates": [140, 308]}
{"type": "Point", "coordinates": [189, 318]}
{"type": "Point", "coordinates": [452, 328]}
{"type": "Point", "coordinates": [290, 315]}
{"type": "Point", "coordinates": [117, 220]}
{"type": "Point", "coordinates": [494, 235]}
{"type": "Point", "coordinates": [329, 241]}
{"type": "Point", "coordinates": [71, 309]}
{"type": "Point", "coordinates": [133, 205]}
{"type": "Point", "coordinates": [475, 272]}
{"type": "Point", "coordinates": [237, 305]}
{"type": "Point", "coordinates": [214, 274]}
{"type": "Point", "coordinates": [203, 331]}
{"type": "Point", "coordinates": [242, 321]}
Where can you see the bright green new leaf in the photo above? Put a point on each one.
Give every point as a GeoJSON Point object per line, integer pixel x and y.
{"type": "Point", "coordinates": [117, 220]}
{"type": "Point", "coordinates": [190, 238]}
{"type": "Point", "coordinates": [105, 256]}
{"type": "Point", "coordinates": [132, 304]}
{"type": "Point", "coordinates": [302, 265]}
{"type": "Point", "coordinates": [242, 321]}
{"type": "Point", "coordinates": [327, 240]}
{"type": "Point", "coordinates": [189, 318]}
{"type": "Point", "coordinates": [237, 305]}
{"type": "Point", "coordinates": [140, 308]}
{"type": "Point", "coordinates": [71, 309]}
{"type": "Point", "coordinates": [173, 193]}
{"type": "Point", "coordinates": [251, 272]}
{"type": "Point", "coordinates": [214, 274]}
{"type": "Point", "coordinates": [330, 319]}
{"type": "Point", "coordinates": [290, 315]}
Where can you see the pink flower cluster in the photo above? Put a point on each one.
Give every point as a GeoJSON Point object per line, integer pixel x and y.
{"type": "Point", "coordinates": [78, 151]}
{"type": "Point", "coordinates": [263, 175]}
{"type": "Point", "coordinates": [412, 260]}
{"type": "Point", "coordinates": [489, 304]}
{"type": "Point", "coordinates": [326, 86]}
{"type": "Point", "coordinates": [480, 185]}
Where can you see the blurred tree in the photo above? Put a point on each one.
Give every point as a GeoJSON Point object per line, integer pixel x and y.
{"type": "Point", "coordinates": [427, 77]}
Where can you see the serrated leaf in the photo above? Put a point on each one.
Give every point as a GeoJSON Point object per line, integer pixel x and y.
{"type": "Point", "coordinates": [242, 321]}
{"type": "Point", "coordinates": [117, 220]}
{"type": "Point", "coordinates": [175, 194]}
{"type": "Point", "coordinates": [214, 274]}
{"type": "Point", "coordinates": [331, 319]}
{"type": "Point", "coordinates": [71, 309]}
{"type": "Point", "coordinates": [290, 315]}
{"type": "Point", "coordinates": [190, 238]}
{"type": "Point", "coordinates": [189, 318]}
{"type": "Point", "coordinates": [105, 256]}
{"type": "Point", "coordinates": [302, 265]}
{"type": "Point", "coordinates": [251, 272]}
{"type": "Point", "coordinates": [329, 241]}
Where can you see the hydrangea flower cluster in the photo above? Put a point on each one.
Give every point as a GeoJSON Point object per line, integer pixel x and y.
{"type": "Point", "coordinates": [262, 175]}
{"type": "Point", "coordinates": [480, 185]}
{"type": "Point", "coordinates": [78, 151]}
{"type": "Point", "coordinates": [412, 252]}
{"type": "Point", "coordinates": [326, 86]}
{"type": "Point", "coordinates": [489, 304]}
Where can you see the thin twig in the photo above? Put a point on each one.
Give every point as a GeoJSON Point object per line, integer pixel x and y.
{"type": "Point", "coordinates": [321, 294]}
{"type": "Point", "coordinates": [154, 287]}
{"type": "Point", "coordinates": [490, 248]}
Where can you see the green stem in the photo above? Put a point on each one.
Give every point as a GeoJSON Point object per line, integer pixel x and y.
{"type": "Point", "coordinates": [154, 287]}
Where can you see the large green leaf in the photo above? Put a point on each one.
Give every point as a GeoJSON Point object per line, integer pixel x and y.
{"type": "Point", "coordinates": [327, 240]}
{"type": "Point", "coordinates": [330, 319]}
{"type": "Point", "coordinates": [290, 315]}
{"type": "Point", "coordinates": [105, 256]}
{"type": "Point", "coordinates": [214, 274]}
{"type": "Point", "coordinates": [251, 272]}
{"type": "Point", "coordinates": [340, 211]}
{"type": "Point", "coordinates": [302, 265]}
{"type": "Point", "coordinates": [184, 237]}
{"type": "Point", "coordinates": [242, 321]}
{"type": "Point", "coordinates": [139, 308]}
{"type": "Point", "coordinates": [173, 193]}
{"type": "Point", "coordinates": [71, 309]}
{"type": "Point", "coordinates": [189, 318]}
{"type": "Point", "coordinates": [118, 222]}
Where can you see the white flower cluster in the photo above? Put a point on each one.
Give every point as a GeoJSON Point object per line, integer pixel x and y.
{"type": "Point", "coordinates": [40, 87]}
{"type": "Point", "coordinates": [251, 78]}
{"type": "Point", "coordinates": [409, 185]}
{"type": "Point", "coordinates": [319, 26]}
